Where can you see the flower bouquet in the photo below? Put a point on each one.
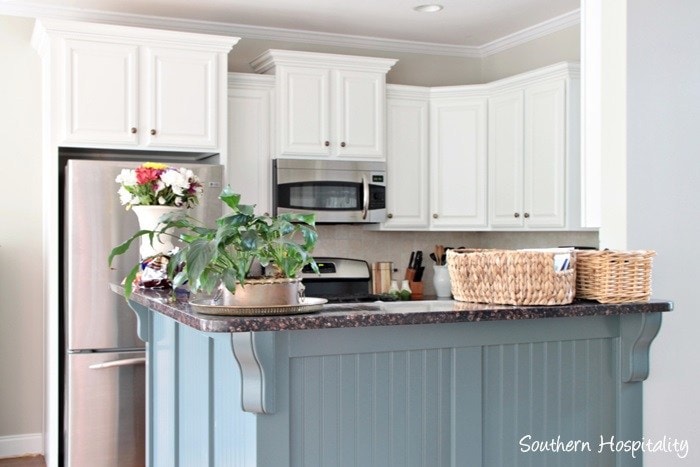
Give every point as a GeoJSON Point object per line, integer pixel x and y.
{"type": "Point", "coordinates": [157, 193]}
{"type": "Point", "coordinates": [155, 184]}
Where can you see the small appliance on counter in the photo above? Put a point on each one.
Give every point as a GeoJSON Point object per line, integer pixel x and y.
{"type": "Point", "coordinates": [340, 280]}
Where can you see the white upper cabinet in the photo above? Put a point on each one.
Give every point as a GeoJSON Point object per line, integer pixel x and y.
{"type": "Point", "coordinates": [506, 159]}
{"type": "Point", "coordinates": [407, 157]}
{"type": "Point", "coordinates": [458, 162]}
{"type": "Point", "coordinates": [101, 89]}
{"type": "Point", "coordinates": [124, 87]}
{"type": "Point", "coordinates": [328, 106]}
{"type": "Point", "coordinates": [250, 104]}
{"type": "Point", "coordinates": [304, 109]}
{"type": "Point", "coordinates": [181, 97]}
{"type": "Point", "coordinates": [534, 177]}
{"type": "Point", "coordinates": [360, 115]}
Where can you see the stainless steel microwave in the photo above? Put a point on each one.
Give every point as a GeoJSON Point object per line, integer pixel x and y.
{"type": "Point", "coordinates": [337, 192]}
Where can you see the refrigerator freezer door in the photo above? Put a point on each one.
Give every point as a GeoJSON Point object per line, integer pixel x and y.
{"type": "Point", "coordinates": [95, 222]}
{"type": "Point", "coordinates": [105, 417]}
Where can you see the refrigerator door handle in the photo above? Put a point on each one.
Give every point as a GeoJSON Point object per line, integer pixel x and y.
{"type": "Point", "coordinates": [117, 363]}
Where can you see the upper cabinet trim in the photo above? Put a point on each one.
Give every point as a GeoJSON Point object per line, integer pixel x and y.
{"type": "Point", "coordinates": [131, 35]}
{"type": "Point", "coordinates": [267, 61]}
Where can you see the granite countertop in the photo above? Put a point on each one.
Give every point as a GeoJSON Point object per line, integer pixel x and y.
{"type": "Point", "coordinates": [351, 315]}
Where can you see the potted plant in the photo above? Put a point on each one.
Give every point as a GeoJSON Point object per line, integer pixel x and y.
{"type": "Point", "coordinates": [221, 257]}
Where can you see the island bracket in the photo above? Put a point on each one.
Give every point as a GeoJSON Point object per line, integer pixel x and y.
{"type": "Point", "coordinates": [637, 331]}
{"type": "Point", "coordinates": [255, 354]}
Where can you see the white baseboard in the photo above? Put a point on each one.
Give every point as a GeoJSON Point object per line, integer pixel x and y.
{"type": "Point", "coordinates": [20, 445]}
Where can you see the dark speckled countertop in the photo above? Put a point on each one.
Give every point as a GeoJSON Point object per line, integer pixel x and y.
{"type": "Point", "coordinates": [351, 315]}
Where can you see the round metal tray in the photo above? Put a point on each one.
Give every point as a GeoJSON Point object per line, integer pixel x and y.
{"type": "Point", "coordinates": [210, 307]}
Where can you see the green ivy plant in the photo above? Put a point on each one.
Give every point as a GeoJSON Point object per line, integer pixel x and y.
{"type": "Point", "coordinates": [225, 253]}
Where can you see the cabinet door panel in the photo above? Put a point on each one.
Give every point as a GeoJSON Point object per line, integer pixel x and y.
{"type": "Point", "coordinates": [250, 166]}
{"type": "Point", "coordinates": [407, 164]}
{"type": "Point", "coordinates": [506, 160]}
{"type": "Point", "coordinates": [101, 103]}
{"type": "Point", "coordinates": [359, 113]}
{"type": "Point", "coordinates": [304, 107]}
{"type": "Point", "coordinates": [545, 154]}
{"type": "Point", "coordinates": [458, 163]}
{"type": "Point", "coordinates": [182, 108]}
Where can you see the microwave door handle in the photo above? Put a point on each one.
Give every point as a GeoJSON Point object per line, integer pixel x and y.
{"type": "Point", "coordinates": [365, 198]}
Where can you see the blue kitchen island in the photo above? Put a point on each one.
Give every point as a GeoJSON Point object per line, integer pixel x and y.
{"type": "Point", "coordinates": [433, 383]}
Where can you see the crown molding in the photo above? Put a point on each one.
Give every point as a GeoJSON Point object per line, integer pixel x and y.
{"type": "Point", "coordinates": [536, 31]}
{"type": "Point", "coordinates": [29, 9]}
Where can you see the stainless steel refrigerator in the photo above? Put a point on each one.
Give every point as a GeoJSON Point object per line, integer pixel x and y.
{"type": "Point", "coordinates": [104, 366]}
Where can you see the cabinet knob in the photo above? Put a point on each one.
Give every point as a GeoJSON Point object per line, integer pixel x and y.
{"type": "Point", "coordinates": [342, 145]}
{"type": "Point", "coordinates": [133, 129]}
{"type": "Point", "coordinates": [153, 132]}
{"type": "Point", "coordinates": [327, 143]}
{"type": "Point", "coordinates": [435, 216]}
{"type": "Point", "coordinates": [266, 214]}
{"type": "Point", "coordinates": [390, 216]}
{"type": "Point", "coordinates": [516, 215]}
{"type": "Point", "coordinates": [526, 215]}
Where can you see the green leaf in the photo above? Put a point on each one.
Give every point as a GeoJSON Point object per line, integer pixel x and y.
{"type": "Point", "coordinates": [197, 257]}
{"type": "Point", "coordinates": [129, 280]}
{"type": "Point", "coordinates": [208, 280]}
{"type": "Point", "coordinates": [309, 219]}
{"type": "Point", "coordinates": [249, 240]}
{"type": "Point", "coordinates": [310, 237]}
{"type": "Point", "coordinates": [247, 209]}
{"type": "Point", "coordinates": [124, 247]}
{"type": "Point", "coordinates": [230, 198]}
{"type": "Point", "coordinates": [229, 278]}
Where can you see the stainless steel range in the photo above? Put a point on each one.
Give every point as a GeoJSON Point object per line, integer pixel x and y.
{"type": "Point", "coordinates": [341, 280]}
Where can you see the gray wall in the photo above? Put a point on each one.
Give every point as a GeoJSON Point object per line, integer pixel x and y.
{"type": "Point", "coordinates": [556, 47]}
{"type": "Point", "coordinates": [663, 192]}
{"type": "Point", "coordinates": [21, 332]}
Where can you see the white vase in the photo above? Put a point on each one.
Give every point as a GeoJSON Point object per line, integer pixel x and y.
{"type": "Point", "coordinates": [441, 281]}
{"type": "Point", "coordinates": [148, 217]}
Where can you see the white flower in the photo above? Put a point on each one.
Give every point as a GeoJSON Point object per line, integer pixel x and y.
{"type": "Point", "coordinates": [161, 200]}
{"type": "Point", "coordinates": [176, 181]}
{"type": "Point", "coordinates": [159, 186]}
{"type": "Point", "coordinates": [125, 197]}
{"type": "Point", "coordinates": [178, 201]}
{"type": "Point", "coordinates": [126, 177]}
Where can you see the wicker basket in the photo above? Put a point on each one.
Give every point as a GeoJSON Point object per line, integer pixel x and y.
{"type": "Point", "coordinates": [510, 277]}
{"type": "Point", "coordinates": [614, 276]}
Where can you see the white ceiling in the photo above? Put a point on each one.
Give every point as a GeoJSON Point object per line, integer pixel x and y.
{"type": "Point", "coordinates": [461, 23]}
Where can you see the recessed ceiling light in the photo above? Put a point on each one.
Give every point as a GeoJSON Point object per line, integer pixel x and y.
{"type": "Point", "coordinates": [429, 8]}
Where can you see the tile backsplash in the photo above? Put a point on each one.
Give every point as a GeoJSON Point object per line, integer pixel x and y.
{"type": "Point", "coordinates": [354, 241]}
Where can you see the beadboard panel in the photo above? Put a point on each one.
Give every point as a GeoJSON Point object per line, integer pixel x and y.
{"type": "Point", "coordinates": [403, 408]}
{"type": "Point", "coordinates": [548, 390]}
{"type": "Point", "coordinates": [423, 407]}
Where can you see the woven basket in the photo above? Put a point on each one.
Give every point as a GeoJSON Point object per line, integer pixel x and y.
{"type": "Point", "coordinates": [614, 276]}
{"type": "Point", "coordinates": [510, 277]}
